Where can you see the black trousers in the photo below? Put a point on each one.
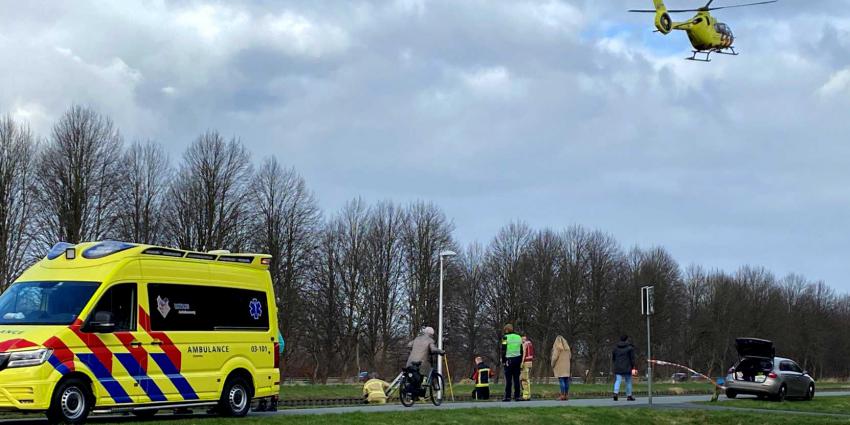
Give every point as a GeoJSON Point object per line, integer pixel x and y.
{"type": "Point", "coordinates": [481, 393]}
{"type": "Point", "coordinates": [512, 371]}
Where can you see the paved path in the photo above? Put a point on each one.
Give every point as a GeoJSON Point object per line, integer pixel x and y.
{"type": "Point", "coordinates": [664, 401]}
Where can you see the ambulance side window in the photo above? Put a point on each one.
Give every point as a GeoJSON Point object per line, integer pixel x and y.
{"type": "Point", "coordinates": [177, 307]}
{"type": "Point", "coordinates": [120, 300]}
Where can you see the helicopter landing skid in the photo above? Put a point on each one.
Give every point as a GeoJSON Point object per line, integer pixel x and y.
{"type": "Point", "coordinates": [705, 55]}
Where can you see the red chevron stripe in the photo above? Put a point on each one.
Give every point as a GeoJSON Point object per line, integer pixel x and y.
{"type": "Point", "coordinates": [168, 347]}
{"type": "Point", "coordinates": [15, 343]}
{"type": "Point", "coordinates": [95, 344]}
{"type": "Point", "coordinates": [61, 352]}
{"type": "Point", "coordinates": [138, 353]}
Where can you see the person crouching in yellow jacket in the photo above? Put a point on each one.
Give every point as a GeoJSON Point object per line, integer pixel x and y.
{"type": "Point", "coordinates": [374, 390]}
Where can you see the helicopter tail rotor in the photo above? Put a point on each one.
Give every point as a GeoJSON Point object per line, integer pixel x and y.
{"type": "Point", "coordinates": [663, 21]}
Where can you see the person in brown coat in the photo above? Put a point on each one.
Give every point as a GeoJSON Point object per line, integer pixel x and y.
{"type": "Point", "coordinates": [561, 357]}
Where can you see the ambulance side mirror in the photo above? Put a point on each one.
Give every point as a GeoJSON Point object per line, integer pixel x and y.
{"type": "Point", "coordinates": [102, 323]}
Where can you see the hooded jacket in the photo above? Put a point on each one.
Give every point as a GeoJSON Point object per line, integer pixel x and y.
{"type": "Point", "coordinates": [561, 357]}
{"type": "Point", "coordinates": [623, 358]}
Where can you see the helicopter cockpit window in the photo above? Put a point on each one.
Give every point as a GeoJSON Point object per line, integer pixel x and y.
{"type": "Point", "coordinates": [723, 29]}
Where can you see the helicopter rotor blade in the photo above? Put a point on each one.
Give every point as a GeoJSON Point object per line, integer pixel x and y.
{"type": "Point", "coordinates": [705, 8]}
{"type": "Point", "coordinates": [743, 5]}
{"type": "Point", "coordinates": [668, 11]}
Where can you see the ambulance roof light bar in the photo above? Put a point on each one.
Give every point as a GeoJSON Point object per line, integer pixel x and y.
{"type": "Point", "coordinates": [61, 248]}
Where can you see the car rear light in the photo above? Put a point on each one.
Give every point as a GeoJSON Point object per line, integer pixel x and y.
{"type": "Point", "coordinates": [772, 375]}
{"type": "Point", "coordinates": [276, 355]}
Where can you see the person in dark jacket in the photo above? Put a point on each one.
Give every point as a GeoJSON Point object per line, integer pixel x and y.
{"type": "Point", "coordinates": [512, 360]}
{"type": "Point", "coordinates": [623, 359]}
{"type": "Point", "coordinates": [481, 376]}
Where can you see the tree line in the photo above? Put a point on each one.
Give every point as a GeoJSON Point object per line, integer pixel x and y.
{"type": "Point", "coordinates": [355, 285]}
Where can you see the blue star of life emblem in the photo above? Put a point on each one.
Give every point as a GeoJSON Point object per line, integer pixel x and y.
{"type": "Point", "coordinates": [256, 309]}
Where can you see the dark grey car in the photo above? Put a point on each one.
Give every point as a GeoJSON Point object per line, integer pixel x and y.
{"type": "Point", "coordinates": [759, 372]}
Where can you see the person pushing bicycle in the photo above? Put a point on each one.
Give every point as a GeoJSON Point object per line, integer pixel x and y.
{"type": "Point", "coordinates": [421, 348]}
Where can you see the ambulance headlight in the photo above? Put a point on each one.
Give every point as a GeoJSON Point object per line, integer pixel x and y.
{"type": "Point", "coordinates": [29, 358]}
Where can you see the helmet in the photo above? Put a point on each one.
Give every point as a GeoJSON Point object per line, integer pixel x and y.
{"type": "Point", "coordinates": [428, 331]}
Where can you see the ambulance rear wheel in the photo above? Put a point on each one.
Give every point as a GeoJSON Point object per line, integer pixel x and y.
{"type": "Point", "coordinates": [71, 403]}
{"type": "Point", "coordinates": [236, 397]}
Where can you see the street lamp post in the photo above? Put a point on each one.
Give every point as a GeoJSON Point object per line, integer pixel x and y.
{"type": "Point", "coordinates": [443, 254]}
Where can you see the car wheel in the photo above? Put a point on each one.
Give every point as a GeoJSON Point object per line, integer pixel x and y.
{"type": "Point", "coordinates": [71, 402]}
{"type": "Point", "coordinates": [783, 391]}
{"type": "Point", "coordinates": [235, 399]}
{"type": "Point", "coordinates": [731, 394]}
{"type": "Point", "coordinates": [810, 394]}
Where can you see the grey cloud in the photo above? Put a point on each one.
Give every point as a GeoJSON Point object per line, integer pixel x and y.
{"type": "Point", "coordinates": [556, 112]}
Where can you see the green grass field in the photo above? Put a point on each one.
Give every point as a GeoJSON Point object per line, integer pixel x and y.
{"type": "Point", "coordinates": [819, 404]}
{"type": "Point", "coordinates": [539, 391]}
{"type": "Point", "coordinates": [565, 415]}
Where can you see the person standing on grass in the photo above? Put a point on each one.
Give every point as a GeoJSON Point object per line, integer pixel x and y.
{"type": "Point", "coordinates": [561, 358]}
{"type": "Point", "coordinates": [623, 359]}
{"type": "Point", "coordinates": [481, 376]}
{"type": "Point", "coordinates": [527, 359]}
{"type": "Point", "coordinates": [512, 360]}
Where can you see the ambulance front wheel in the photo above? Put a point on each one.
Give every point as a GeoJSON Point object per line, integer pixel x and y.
{"type": "Point", "coordinates": [236, 397]}
{"type": "Point", "coordinates": [71, 403]}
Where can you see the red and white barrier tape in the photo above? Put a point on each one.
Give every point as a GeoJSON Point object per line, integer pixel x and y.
{"type": "Point", "coordinates": [663, 363]}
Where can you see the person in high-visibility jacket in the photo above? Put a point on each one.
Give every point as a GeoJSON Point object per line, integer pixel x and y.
{"type": "Point", "coordinates": [374, 390]}
{"type": "Point", "coordinates": [481, 376]}
{"type": "Point", "coordinates": [527, 359]}
{"type": "Point", "coordinates": [512, 360]}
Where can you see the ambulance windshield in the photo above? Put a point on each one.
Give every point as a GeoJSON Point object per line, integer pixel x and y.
{"type": "Point", "coordinates": [44, 303]}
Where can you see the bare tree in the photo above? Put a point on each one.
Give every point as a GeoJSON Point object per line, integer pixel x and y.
{"type": "Point", "coordinates": [351, 227]}
{"type": "Point", "coordinates": [146, 174]}
{"type": "Point", "coordinates": [17, 152]}
{"type": "Point", "coordinates": [506, 283]}
{"type": "Point", "coordinates": [208, 201]}
{"type": "Point", "coordinates": [383, 304]}
{"type": "Point", "coordinates": [470, 335]}
{"type": "Point", "coordinates": [323, 297]}
{"type": "Point", "coordinates": [543, 301]}
{"type": "Point", "coordinates": [79, 177]}
{"type": "Point", "coordinates": [286, 226]}
{"type": "Point", "coordinates": [605, 267]}
{"type": "Point", "coordinates": [427, 231]}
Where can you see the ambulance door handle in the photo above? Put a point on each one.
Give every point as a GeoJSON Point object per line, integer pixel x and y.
{"type": "Point", "coordinates": [136, 344]}
{"type": "Point", "coordinates": [156, 342]}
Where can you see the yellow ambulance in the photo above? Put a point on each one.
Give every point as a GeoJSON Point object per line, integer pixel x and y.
{"type": "Point", "coordinates": [113, 326]}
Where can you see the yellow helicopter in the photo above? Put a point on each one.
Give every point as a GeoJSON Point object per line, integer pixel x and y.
{"type": "Point", "coordinates": [706, 34]}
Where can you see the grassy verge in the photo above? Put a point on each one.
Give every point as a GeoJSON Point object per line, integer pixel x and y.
{"type": "Point", "coordinates": [590, 416]}
{"type": "Point", "coordinates": [539, 391]}
{"type": "Point", "coordinates": [819, 404]}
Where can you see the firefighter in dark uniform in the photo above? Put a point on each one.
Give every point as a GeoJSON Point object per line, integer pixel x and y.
{"type": "Point", "coordinates": [481, 377]}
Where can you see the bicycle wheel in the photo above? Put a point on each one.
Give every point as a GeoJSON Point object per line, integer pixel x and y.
{"type": "Point", "coordinates": [436, 389]}
{"type": "Point", "coordinates": [404, 394]}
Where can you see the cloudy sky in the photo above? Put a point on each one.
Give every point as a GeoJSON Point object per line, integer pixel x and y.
{"type": "Point", "coordinates": [554, 112]}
